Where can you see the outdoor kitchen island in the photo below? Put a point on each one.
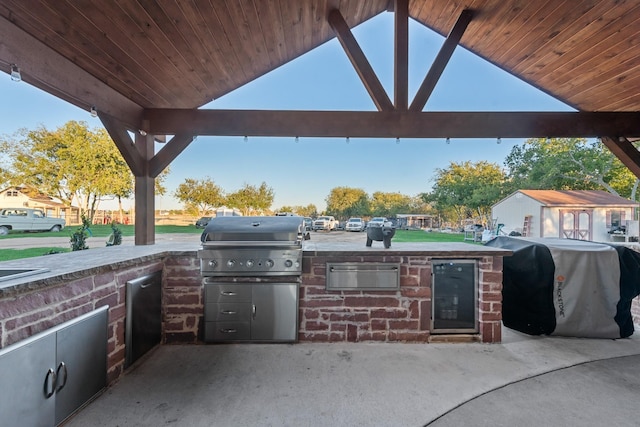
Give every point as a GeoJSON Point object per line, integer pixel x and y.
{"type": "Point", "coordinates": [77, 283]}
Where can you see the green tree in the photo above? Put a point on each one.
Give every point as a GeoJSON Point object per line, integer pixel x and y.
{"type": "Point", "coordinates": [200, 196]}
{"type": "Point", "coordinates": [470, 189]}
{"type": "Point", "coordinates": [310, 210]}
{"type": "Point", "coordinates": [345, 202]}
{"type": "Point", "coordinates": [568, 164]}
{"type": "Point", "coordinates": [74, 163]}
{"type": "Point", "coordinates": [390, 204]}
{"type": "Point", "coordinates": [251, 199]}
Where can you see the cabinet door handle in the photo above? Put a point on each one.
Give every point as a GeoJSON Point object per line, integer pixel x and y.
{"type": "Point", "coordinates": [228, 312]}
{"type": "Point", "coordinates": [61, 367]}
{"type": "Point", "coordinates": [253, 311]}
{"type": "Point", "coordinates": [228, 293]}
{"type": "Point", "coordinates": [228, 331]}
{"type": "Point", "coordinates": [49, 383]}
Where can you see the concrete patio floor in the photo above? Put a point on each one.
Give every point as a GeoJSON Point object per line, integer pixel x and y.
{"type": "Point", "coordinates": [522, 381]}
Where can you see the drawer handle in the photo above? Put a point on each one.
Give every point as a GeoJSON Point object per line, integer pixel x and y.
{"type": "Point", "coordinates": [228, 331]}
{"type": "Point", "coordinates": [228, 293]}
{"type": "Point", "coordinates": [228, 312]}
{"type": "Point", "coordinates": [49, 383]}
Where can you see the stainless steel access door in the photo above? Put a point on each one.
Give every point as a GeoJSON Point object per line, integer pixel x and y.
{"type": "Point", "coordinates": [275, 312]}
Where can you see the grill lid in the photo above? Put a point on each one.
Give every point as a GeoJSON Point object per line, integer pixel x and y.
{"type": "Point", "coordinates": [254, 230]}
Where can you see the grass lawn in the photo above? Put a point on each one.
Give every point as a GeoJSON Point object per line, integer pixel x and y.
{"type": "Point", "coordinates": [128, 230]}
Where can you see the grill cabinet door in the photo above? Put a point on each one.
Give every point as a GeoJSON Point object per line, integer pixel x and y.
{"type": "Point", "coordinates": [275, 316]}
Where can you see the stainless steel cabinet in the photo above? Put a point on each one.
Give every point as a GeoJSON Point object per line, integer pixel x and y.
{"type": "Point", "coordinates": [251, 312]}
{"type": "Point", "coordinates": [48, 376]}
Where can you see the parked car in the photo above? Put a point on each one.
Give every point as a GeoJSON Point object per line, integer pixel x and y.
{"type": "Point", "coordinates": [308, 223]}
{"type": "Point", "coordinates": [25, 219]}
{"type": "Point", "coordinates": [325, 223]}
{"type": "Point", "coordinates": [378, 221]}
{"type": "Point", "coordinates": [355, 224]}
{"type": "Point", "coordinates": [203, 222]}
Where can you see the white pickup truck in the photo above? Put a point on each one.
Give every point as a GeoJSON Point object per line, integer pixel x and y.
{"type": "Point", "coordinates": [26, 219]}
{"type": "Point", "coordinates": [325, 223]}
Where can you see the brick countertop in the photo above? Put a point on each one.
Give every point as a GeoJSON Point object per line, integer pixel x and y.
{"type": "Point", "coordinates": [431, 249]}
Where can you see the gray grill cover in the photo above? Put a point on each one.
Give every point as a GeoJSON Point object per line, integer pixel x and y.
{"type": "Point", "coordinates": [568, 287]}
{"type": "Point", "coordinates": [276, 229]}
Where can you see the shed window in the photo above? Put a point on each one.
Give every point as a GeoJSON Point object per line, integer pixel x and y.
{"type": "Point", "coordinates": [615, 218]}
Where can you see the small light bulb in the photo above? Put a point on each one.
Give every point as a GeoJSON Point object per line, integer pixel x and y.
{"type": "Point", "coordinates": [93, 111]}
{"type": "Point", "coordinates": [143, 133]}
{"type": "Point", "coordinates": [246, 138]}
{"type": "Point", "coordinates": [297, 139]}
{"type": "Point", "coordinates": [15, 73]}
{"type": "Point", "coordinates": [347, 140]}
{"type": "Point", "coordinates": [448, 141]}
{"type": "Point", "coordinates": [499, 141]}
{"type": "Point", "coordinates": [397, 140]}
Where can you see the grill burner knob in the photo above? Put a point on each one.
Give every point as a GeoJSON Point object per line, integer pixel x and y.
{"type": "Point", "coordinates": [288, 263]}
{"type": "Point", "coordinates": [269, 263]}
{"type": "Point", "coordinates": [231, 263]}
{"type": "Point", "coordinates": [249, 263]}
{"type": "Point", "coordinates": [212, 263]}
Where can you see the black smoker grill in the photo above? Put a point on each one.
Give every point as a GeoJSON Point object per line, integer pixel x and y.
{"type": "Point", "coordinates": [251, 268]}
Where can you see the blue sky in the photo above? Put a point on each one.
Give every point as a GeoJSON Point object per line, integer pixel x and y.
{"type": "Point", "coordinates": [304, 172]}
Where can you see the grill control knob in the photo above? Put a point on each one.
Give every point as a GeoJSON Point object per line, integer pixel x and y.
{"type": "Point", "coordinates": [269, 263]}
{"type": "Point", "coordinates": [249, 263]}
{"type": "Point", "coordinates": [288, 263]}
{"type": "Point", "coordinates": [231, 263]}
{"type": "Point", "coordinates": [212, 263]}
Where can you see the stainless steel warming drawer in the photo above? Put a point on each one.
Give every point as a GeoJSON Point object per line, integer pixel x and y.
{"type": "Point", "coordinates": [356, 276]}
{"type": "Point", "coordinates": [250, 311]}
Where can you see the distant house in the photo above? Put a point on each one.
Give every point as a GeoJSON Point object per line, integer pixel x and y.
{"type": "Point", "coordinates": [575, 214]}
{"type": "Point", "coordinates": [15, 197]}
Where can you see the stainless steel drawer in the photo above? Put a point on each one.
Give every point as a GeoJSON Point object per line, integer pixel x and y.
{"type": "Point", "coordinates": [227, 331]}
{"type": "Point", "coordinates": [227, 293]}
{"type": "Point", "coordinates": [228, 312]}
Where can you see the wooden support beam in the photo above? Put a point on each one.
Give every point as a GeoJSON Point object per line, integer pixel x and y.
{"type": "Point", "coordinates": [401, 54]}
{"type": "Point", "coordinates": [441, 61]}
{"type": "Point", "coordinates": [391, 124]}
{"type": "Point", "coordinates": [49, 71]}
{"type": "Point", "coordinates": [168, 153]}
{"type": "Point", "coordinates": [123, 141]}
{"type": "Point", "coordinates": [624, 150]}
{"type": "Point", "coordinates": [360, 62]}
{"type": "Point", "coordinates": [145, 204]}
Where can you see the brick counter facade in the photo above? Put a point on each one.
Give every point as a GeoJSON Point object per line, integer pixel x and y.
{"type": "Point", "coordinates": [389, 316]}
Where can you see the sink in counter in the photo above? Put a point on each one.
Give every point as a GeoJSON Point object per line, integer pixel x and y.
{"type": "Point", "coordinates": [9, 273]}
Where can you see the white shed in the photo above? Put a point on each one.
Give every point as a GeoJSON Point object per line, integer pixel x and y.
{"type": "Point", "coordinates": [573, 214]}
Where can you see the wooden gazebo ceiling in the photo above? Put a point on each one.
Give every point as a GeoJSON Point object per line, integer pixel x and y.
{"type": "Point", "coordinates": [154, 54]}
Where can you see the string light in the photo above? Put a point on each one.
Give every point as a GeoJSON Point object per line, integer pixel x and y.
{"type": "Point", "coordinates": [347, 139]}
{"type": "Point", "coordinates": [397, 140]}
{"type": "Point", "coordinates": [499, 141]}
{"type": "Point", "coordinates": [297, 139]}
{"type": "Point", "coordinates": [15, 73]}
{"type": "Point", "coordinates": [93, 111]}
{"type": "Point", "coordinates": [448, 140]}
{"type": "Point", "coordinates": [246, 138]}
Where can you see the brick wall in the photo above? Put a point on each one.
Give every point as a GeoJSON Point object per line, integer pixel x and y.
{"type": "Point", "coordinates": [183, 300]}
{"type": "Point", "coordinates": [31, 312]}
{"type": "Point", "coordinates": [390, 316]}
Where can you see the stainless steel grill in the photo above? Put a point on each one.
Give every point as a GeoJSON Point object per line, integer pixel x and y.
{"type": "Point", "coordinates": [252, 246]}
{"type": "Point", "coordinates": [251, 268]}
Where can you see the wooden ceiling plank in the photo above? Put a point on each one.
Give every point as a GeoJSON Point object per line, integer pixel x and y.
{"type": "Point", "coordinates": [251, 45]}
{"type": "Point", "coordinates": [118, 132]}
{"type": "Point", "coordinates": [401, 54]}
{"type": "Point", "coordinates": [58, 31]}
{"type": "Point", "coordinates": [442, 59]}
{"type": "Point", "coordinates": [51, 72]}
{"type": "Point", "coordinates": [168, 153]}
{"type": "Point", "coordinates": [204, 22]}
{"type": "Point", "coordinates": [360, 62]}
{"type": "Point", "coordinates": [590, 21]}
{"type": "Point", "coordinates": [291, 15]}
{"type": "Point", "coordinates": [604, 42]}
{"type": "Point", "coordinates": [177, 32]}
{"type": "Point", "coordinates": [527, 41]}
{"type": "Point", "coordinates": [392, 124]}
{"type": "Point", "coordinates": [626, 86]}
{"type": "Point", "coordinates": [271, 27]}
{"type": "Point", "coordinates": [625, 151]}
{"type": "Point", "coordinates": [151, 36]}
